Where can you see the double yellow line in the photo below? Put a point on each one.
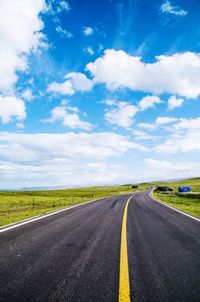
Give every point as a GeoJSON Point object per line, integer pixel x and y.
{"type": "Point", "coordinates": [124, 284]}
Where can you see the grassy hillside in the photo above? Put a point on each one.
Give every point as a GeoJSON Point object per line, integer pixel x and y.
{"type": "Point", "coordinates": [194, 183]}
{"type": "Point", "coordinates": [184, 203]}
{"type": "Point", "coordinates": [19, 205]}
{"type": "Point", "coordinates": [188, 202]}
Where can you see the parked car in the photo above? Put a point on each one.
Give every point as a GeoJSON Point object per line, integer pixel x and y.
{"type": "Point", "coordinates": [164, 189]}
{"type": "Point", "coordinates": [134, 187]}
{"type": "Point", "coordinates": [183, 189]}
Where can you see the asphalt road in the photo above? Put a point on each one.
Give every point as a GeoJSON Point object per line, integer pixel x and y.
{"type": "Point", "coordinates": [74, 255]}
{"type": "Point", "coordinates": [164, 253]}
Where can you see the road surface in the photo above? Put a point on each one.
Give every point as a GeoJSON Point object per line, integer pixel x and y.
{"type": "Point", "coordinates": [75, 255]}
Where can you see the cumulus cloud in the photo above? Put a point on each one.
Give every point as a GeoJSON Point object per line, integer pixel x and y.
{"type": "Point", "coordinates": [165, 169]}
{"type": "Point", "coordinates": [141, 135]}
{"type": "Point", "coordinates": [174, 102]}
{"type": "Point", "coordinates": [164, 164]}
{"type": "Point", "coordinates": [147, 126]}
{"type": "Point", "coordinates": [168, 8]}
{"type": "Point", "coordinates": [88, 31]}
{"type": "Point", "coordinates": [51, 159]}
{"type": "Point", "coordinates": [61, 88]}
{"type": "Point", "coordinates": [20, 126]}
{"type": "Point", "coordinates": [75, 81]}
{"type": "Point", "coordinates": [79, 81]}
{"type": "Point", "coordinates": [110, 102]}
{"type": "Point", "coordinates": [184, 134]}
{"type": "Point", "coordinates": [39, 147]}
{"type": "Point", "coordinates": [149, 101]}
{"type": "Point", "coordinates": [11, 108]}
{"type": "Point", "coordinates": [175, 74]}
{"type": "Point", "coordinates": [185, 137]}
{"type": "Point", "coordinates": [20, 33]}
{"type": "Point", "coordinates": [121, 115]}
{"type": "Point", "coordinates": [69, 117]}
{"type": "Point", "coordinates": [27, 94]}
{"type": "Point", "coordinates": [164, 120]}
{"type": "Point", "coordinates": [188, 124]}
{"type": "Point", "coordinates": [61, 172]}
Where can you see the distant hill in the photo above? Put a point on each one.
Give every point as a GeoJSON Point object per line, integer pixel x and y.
{"type": "Point", "coordinates": [195, 182]}
{"type": "Point", "coordinates": [42, 188]}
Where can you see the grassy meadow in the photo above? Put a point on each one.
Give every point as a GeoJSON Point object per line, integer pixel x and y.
{"type": "Point", "coordinates": [187, 202]}
{"type": "Point", "coordinates": [19, 205]}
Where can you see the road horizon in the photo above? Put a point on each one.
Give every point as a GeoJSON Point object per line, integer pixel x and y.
{"type": "Point", "coordinates": [75, 254]}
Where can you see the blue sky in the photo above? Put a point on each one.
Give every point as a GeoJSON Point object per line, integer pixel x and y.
{"type": "Point", "coordinates": [98, 92]}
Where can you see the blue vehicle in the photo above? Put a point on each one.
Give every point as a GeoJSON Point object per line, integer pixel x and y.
{"type": "Point", "coordinates": [183, 189]}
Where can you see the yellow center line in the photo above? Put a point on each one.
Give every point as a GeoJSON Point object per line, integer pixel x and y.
{"type": "Point", "coordinates": [124, 284]}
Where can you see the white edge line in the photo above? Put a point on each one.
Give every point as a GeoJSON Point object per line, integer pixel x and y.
{"type": "Point", "coordinates": [166, 205]}
{"type": "Point", "coordinates": [23, 222]}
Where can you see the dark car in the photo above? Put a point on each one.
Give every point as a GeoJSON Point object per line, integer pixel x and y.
{"type": "Point", "coordinates": [134, 187]}
{"type": "Point", "coordinates": [164, 189]}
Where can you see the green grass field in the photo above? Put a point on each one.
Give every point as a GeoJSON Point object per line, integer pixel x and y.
{"type": "Point", "coordinates": [187, 202]}
{"type": "Point", "coordinates": [19, 205]}
{"type": "Point", "coordinates": [194, 183]}
{"type": "Point", "coordinates": [184, 203]}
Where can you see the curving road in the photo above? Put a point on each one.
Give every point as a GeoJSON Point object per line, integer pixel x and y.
{"type": "Point", "coordinates": [75, 255]}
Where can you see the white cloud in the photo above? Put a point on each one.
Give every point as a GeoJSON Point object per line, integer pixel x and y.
{"type": "Point", "coordinates": [79, 81]}
{"type": "Point", "coordinates": [175, 74]}
{"type": "Point", "coordinates": [165, 120]}
{"type": "Point", "coordinates": [88, 31]}
{"type": "Point", "coordinates": [174, 102]}
{"type": "Point", "coordinates": [20, 33]}
{"type": "Point", "coordinates": [147, 126]}
{"type": "Point", "coordinates": [164, 164]}
{"type": "Point", "coordinates": [141, 135]}
{"type": "Point", "coordinates": [149, 101]}
{"type": "Point", "coordinates": [76, 81]}
{"type": "Point", "coordinates": [62, 6]}
{"type": "Point", "coordinates": [57, 6]}
{"type": "Point", "coordinates": [169, 169]}
{"type": "Point", "coordinates": [168, 8]}
{"type": "Point", "coordinates": [63, 32]}
{"type": "Point", "coordinates": [11, 108]}
{"type": "Point", "coordinates": [39, 147]}
{"type": "Point", "coordinates": [20, 126]}
{"type": "Point", "coordinates": [184, 134]}
{"type": "Point", "coordinates": [69, 117]}
{"type": "Point", "coordinates": [122, 115]}
{"type": "Point", "coordinates": [185, 137]}
{"type": "Point", "coordinates": [54, 159]}
{"type": "Point", "coordinates": [110, 102]}
{"type": "Point", "coordinates": [187, 124]}
{"type": "Point", "coordinates": [60, 172]}
{"type": "Point", "coordinates": [27, 94]}
{"type": "Point", "coordinates": [62, 88]}
{"type": "Point", "coordinates": [187, 143]}
{"type": "Point", "coordinates": [157, 123]}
